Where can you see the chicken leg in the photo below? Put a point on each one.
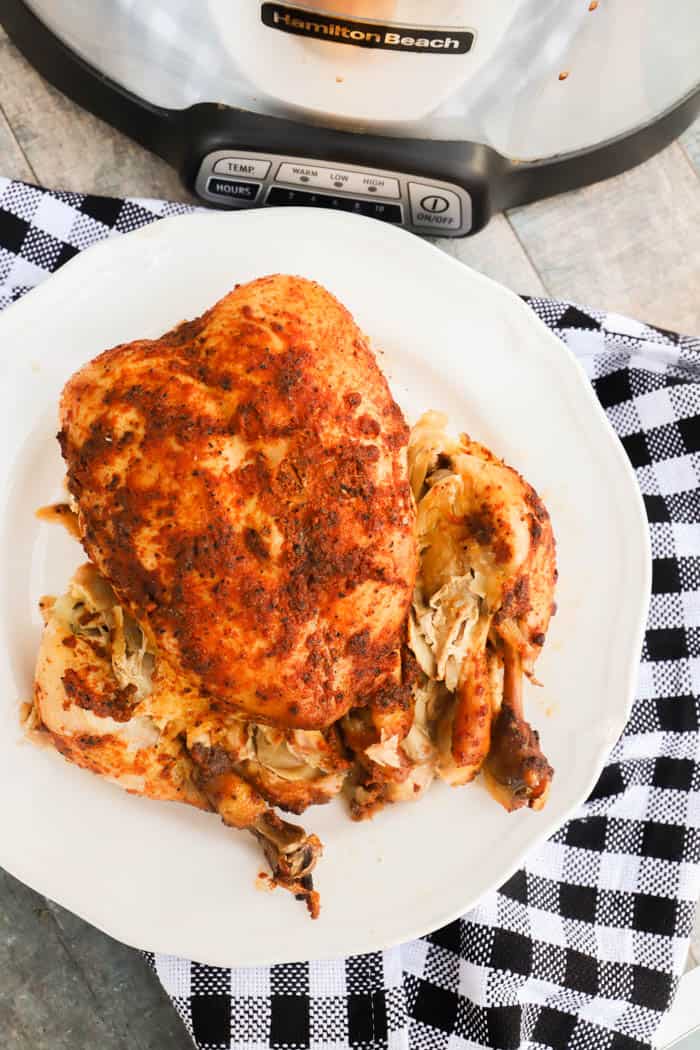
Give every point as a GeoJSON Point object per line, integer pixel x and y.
{"type": "Point", "coordinates": [516, 772]}
{"type": "Point", "coordinates": [483, 600]}
{"type": "Point", "coordinates": [290, 852]}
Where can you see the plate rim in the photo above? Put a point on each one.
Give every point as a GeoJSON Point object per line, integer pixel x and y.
{"type": "Point", "coordinates": [41, 297]}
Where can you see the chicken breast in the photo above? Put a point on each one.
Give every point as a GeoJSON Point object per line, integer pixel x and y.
{"type": "Point", "coordinates": [242, 483]}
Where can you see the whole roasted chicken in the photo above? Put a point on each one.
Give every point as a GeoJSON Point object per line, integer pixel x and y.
{"type": "Point", "coordinates": [285, 595]}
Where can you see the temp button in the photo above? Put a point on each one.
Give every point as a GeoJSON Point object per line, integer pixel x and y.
{"type": "Point", "coordinates": [248, 167]}
{"type": "Point", "coordinates": [233, 189]}
{"type": "Point", "coordinates": [434, 206]}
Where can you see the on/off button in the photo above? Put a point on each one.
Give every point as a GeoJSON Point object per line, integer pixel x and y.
{"type": "Point", "coordinates": [434, 206]}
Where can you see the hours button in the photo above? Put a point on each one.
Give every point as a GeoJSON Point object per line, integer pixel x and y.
{"type": "Point", "coordinates": [233, 189]}
{"type": "Point", "coordinates": [434, 206]}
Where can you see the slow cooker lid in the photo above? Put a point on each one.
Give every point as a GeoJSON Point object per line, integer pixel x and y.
{"type": "Point", "coordinates": [544, 78]}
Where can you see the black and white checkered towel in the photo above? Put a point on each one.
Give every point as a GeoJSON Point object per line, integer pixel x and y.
{"type": "Point", "coordinates": [582, 948]}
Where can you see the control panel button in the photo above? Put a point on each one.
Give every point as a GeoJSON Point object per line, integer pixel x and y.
{"type": "Point", "coordinates": [233, 189]}
{"type": "Point", "coordinates": [338, 179]}
{"type": "Point", "coordinates": [368, 182]}
{"type": "Point", "coordinates": [434, 206]}
{"type": "Point", "coordinates": [300, 174]}
{"type": "Point", "coordinates": [248, 167]}
{"type": "Point", "coordinates": [280, 196]}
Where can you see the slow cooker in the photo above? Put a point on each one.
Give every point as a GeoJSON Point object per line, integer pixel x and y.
{"type": "Point", "coordinates": [432, 115]}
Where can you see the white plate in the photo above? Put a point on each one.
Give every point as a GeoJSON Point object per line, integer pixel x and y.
{"type": "Point", "coordinates": [167, 878]}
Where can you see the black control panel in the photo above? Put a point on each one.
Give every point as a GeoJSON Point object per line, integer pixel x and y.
{"type": "Point", "coordinates": [243, 179]}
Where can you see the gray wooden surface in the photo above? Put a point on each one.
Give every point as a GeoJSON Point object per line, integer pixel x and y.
{"type": "Point", "coordinates": [631, 244]}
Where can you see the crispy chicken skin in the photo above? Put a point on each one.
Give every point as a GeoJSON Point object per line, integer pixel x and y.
{"type": "Point", "coordinates": [242, 483]}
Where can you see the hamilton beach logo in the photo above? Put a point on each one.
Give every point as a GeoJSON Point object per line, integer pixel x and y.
{"type": "Point", "coordinates": [366, 34]}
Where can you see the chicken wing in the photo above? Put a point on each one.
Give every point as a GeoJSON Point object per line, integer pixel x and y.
{"type": "Point", "coordinates": [89, 692]}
